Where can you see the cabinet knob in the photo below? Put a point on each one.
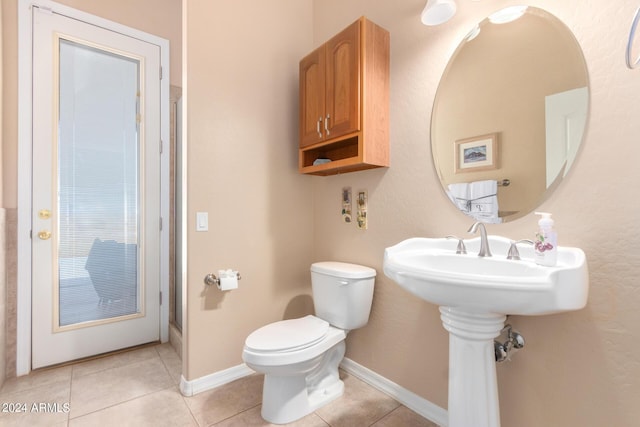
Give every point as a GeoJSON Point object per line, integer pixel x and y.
{"type": "Point", "coordinates": [44, 235]}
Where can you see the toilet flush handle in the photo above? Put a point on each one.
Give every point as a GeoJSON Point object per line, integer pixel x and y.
{"type": "Point", "coordinates": [343, 282]}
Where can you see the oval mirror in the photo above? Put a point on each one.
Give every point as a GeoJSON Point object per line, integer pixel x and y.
{"type": "Point", "coordinates": [509, 114]}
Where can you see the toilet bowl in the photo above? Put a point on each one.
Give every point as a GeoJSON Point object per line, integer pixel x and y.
{"type": "Point", "coordinates": [287, 394]}
{"type": "Point", "coordinates": [300, 357]}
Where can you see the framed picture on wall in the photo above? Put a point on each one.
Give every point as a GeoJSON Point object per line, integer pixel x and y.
{"type": "Point", "coordinates": [478, 153]}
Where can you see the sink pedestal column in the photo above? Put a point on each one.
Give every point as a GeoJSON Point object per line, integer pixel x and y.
{"type": "Point", "coordinates": [473, 387]}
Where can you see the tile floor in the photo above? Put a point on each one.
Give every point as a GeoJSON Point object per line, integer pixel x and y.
{"type": "Point", "coordinates": [140, 388]}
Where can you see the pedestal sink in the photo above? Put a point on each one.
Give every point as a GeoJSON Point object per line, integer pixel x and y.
{"type": "Point", "coordinates": [475, 294]}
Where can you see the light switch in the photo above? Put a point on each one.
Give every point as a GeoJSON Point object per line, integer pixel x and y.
{"type": "Point", "coordinates": [202, 221]}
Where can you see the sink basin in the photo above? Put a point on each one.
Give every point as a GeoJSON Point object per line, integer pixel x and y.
{"type": "Point", "coordinates": [475, 294]}
{"type": "Point", "coordinates": [431, 270]}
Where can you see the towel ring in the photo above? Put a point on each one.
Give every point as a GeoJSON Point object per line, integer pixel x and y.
{"type": "Point", "coordinates": [632, 34]}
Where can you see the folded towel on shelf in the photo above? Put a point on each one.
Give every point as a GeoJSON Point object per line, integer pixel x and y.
{"type": "Point", "coordinates": [484, 198]}
{"type": "Point", "coordinates": [478, 199]}
{"type": "Point", "coordinates": [459, 195]}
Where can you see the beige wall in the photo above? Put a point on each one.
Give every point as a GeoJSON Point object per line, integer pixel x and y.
{"type": "Point", "coordinates": [578, 369]}
{"type": "Point", "coordinates": [242, 112]}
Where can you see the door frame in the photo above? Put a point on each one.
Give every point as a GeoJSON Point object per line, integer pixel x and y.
{"type": "Point", "coordinates": [25, 74]}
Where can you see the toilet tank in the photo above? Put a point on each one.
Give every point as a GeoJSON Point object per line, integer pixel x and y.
{"type": "Point", "coordinates": [342, 293]}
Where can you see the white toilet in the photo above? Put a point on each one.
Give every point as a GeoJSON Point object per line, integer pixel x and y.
{"type": "Point", "coordinates": [300, 357]}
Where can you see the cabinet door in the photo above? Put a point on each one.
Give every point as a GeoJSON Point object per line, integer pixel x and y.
{"type": "Point", "coordinates": [343, 83]}
{"type": "Point", "coordinates": [312, 97]}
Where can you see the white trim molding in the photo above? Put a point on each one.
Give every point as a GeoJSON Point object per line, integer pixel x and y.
{"type": "Point", "coordinates": [211, 381]}
{"type": "Point", "coordinates": [419, 405]}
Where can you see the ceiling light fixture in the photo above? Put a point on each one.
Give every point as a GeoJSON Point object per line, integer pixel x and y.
{"type": "Point", "coordinates": [507, 14]}
{"type": "Point", "coordinates": [438, 12]}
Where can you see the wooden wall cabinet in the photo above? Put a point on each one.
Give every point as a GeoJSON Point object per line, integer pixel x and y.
{"type": "Point", "coordinates": [344, 102]}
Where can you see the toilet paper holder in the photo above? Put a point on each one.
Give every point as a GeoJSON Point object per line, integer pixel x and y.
{"type": "Point", "coordinates": [213, 280]}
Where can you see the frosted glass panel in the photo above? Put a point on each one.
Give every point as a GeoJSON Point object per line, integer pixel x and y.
{"type": "Point", "coordinates": [98, 182]}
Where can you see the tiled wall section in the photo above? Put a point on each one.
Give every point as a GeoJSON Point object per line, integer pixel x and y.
{"type": "Point", "coordinates": [11, 269]}
{"type": "Point", "coordinates": [3, 296]}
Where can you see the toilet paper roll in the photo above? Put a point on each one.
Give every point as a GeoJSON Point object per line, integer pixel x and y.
{"type": "Point", "coordinates": [227, 280]}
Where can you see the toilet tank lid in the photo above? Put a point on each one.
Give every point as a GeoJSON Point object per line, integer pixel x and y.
{"type": "Point", "coordinates": [343, 269]}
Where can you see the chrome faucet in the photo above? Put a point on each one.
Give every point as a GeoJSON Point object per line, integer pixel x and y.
{"type": "Point", "coordinates": [484, 242]}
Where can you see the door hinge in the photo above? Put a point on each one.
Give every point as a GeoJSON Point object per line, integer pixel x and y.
{"type": "Point", "coordinates": [161, 144]}
{"type": "Point", "coordinates": [160, 73]}
{"type": "Point", "coordinates": [160, 297]}
{"type": "Point", "coordinates": [160, 223]}
{"type": "Point", "coordinates": [31, 234]}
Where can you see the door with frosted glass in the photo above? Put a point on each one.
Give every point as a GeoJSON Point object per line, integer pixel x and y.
{"type": "Point", "coordinates": [96, 195]}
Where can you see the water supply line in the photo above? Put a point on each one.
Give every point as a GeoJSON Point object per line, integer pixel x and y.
{"type": "Point", "coordinates": [514, 342]}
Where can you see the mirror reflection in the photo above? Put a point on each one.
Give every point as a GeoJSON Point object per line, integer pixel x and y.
{"type": "Point", "coordinates": [509, 114]}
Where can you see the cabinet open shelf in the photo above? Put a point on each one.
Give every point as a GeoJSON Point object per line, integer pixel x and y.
{"type": "Point", "coordinates": [346, 155]}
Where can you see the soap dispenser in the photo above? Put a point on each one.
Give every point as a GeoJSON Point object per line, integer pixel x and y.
{"type": "Point", "coordinates": [546, 241]}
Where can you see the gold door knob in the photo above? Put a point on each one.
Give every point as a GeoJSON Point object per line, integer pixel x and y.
{"type": "Point", "coordinates": [44, 213]}
{"type": "Point", "coordinates": [44, 235]}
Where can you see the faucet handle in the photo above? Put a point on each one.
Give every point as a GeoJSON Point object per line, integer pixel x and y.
{"type": "Point", "coordinates": [461, 249]}
{"type": "Point", "coordinates": [513, 249]}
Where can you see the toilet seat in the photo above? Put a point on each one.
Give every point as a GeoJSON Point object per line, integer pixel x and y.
{"type": "Point", "coordinates": [290, 341]}
{"type": "Point", "coordinates": [288, 335]}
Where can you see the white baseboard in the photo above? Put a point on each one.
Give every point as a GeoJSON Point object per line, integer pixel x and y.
{"type": "Point", "coordinates": [208, 382]}
{"type": "Point", "coordinates": [421, 406]}
{"type": "Point", "coordinates": [425, 408]}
